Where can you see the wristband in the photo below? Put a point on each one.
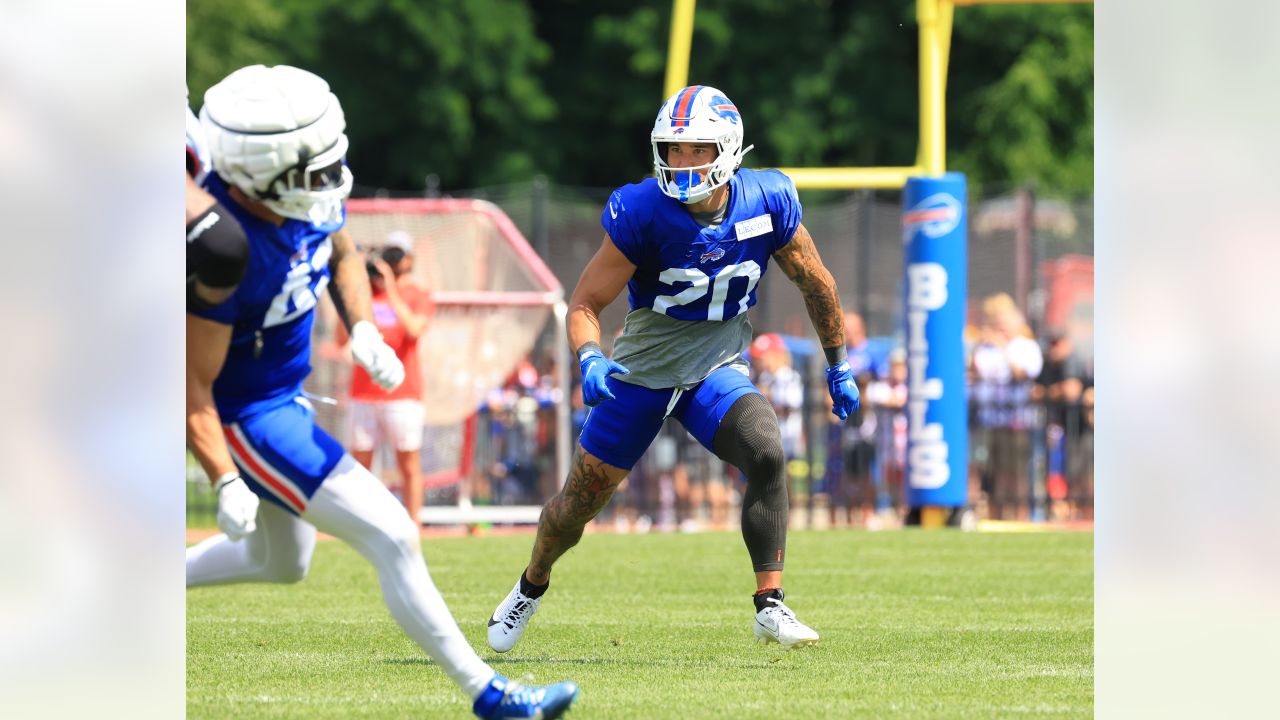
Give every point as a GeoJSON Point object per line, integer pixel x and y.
{"type": "Point", "coordinates": [835, 355]}
{"type": "Point", "coordinates": [589, 348]}
{"type": "Point", "coordinates": [225, 479]}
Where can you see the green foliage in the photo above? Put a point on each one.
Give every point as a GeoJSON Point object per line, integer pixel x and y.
{"type": "Point", "coordinates": [223, 35]}
{"type": "Point", "coordinates": [914, 624]}
{"type": "Point", "coordinates": [1021, 96]}
{"type": "Point", "coordinates": [492, 91]}
{"type": "Point", "coordinates": [446, 87]}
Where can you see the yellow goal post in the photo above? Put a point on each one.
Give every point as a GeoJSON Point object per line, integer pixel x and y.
{"type": "Point", "coordinates": [934, 18]}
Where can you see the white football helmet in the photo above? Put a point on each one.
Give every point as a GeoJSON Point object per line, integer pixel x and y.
{"type": "Point", "coordinates": [697, 114]}
{"type": "Point", "coordinates": [277, 134]}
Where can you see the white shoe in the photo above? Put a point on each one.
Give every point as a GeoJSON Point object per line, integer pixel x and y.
{"type": "Point", "coordinates": [510, 619]}
{"type": "Point", "coordinates": [777, 623]}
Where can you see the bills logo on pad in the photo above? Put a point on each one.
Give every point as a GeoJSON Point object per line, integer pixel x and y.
{"type": "Point", "coordinates": [936, 215]}
{"type": "Point", "coordinates": [711, 255]}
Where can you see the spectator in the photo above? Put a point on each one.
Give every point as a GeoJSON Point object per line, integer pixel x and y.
{"type": "Point", "coordinates": [853, 493]}
{"type": "Point", "coordinates": [887, 399]}
{"type": "Point", "coordinates": [835, 480]}
{"type": "Point", "coordinates": [1082, 487]}
{"type": "Point", "coordinates": [783, 387]}
{"type": "Point", "coordinates": [1060, 387]}
{"type": "Point", "coordinates": [864, 361]}
{"type": "Point", "coordinates": [401, 310]}
{"type": "Point", "coordinates": [514, 439]}
{"type": "Point", "coordinates": [699, 478]}
{"type": "Point", "coordinates": [1005, 362]}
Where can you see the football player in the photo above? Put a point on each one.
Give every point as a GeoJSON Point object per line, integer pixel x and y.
{"type": "Point", "coordinates": [690, 245]}
{"type": "Point", "coordinates": [278, 147]}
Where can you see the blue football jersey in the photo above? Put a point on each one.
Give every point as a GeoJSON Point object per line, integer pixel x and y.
{"type": "Point", "coordinates": [690, 272]}
{"type": "Point", "coordinates": [271, 312]}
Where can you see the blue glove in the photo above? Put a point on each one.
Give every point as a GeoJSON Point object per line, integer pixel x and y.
{"type": "Point", "coordinates": [596, 369]}
{"type": "Point", "coordinates": [844, 391]}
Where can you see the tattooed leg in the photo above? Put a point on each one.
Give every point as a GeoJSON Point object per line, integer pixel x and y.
{"type": "Point", "coordinates": [590, 485]}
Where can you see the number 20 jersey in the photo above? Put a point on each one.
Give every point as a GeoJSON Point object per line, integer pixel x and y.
{"type": "Point", "coordinates": [271, 312]}
{"type": "Point", "coordinates": [693, 285]}
{"type": "Point", "coordinates": [690, 272]}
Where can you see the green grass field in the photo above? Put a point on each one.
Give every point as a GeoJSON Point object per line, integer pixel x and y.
{"type": "Point", "coordinates": [914, 624]}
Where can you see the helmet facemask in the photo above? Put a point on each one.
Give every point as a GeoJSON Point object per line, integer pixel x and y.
{"type": "Point", "coordinates": [313, 189]}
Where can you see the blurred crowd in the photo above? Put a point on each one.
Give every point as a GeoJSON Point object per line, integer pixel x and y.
{"type": "Point", "coordinates": [1030, 402]}
{"type": "Point", "coordinates": [1030, 420]}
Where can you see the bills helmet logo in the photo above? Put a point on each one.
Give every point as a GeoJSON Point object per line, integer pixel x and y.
{"type": "Point", "coordinates": [711, 255]}
{"type": "Point", "coordinates": [726, 109]}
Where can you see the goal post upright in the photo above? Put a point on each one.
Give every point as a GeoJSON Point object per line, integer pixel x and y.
{"type": "Point", "coordinates": [933, 201]}
{"type": "Point", "coordinates": [934, 19]}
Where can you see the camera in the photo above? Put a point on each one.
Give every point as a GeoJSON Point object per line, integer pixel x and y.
{"type": "Point", "coordinates": [392, 255]}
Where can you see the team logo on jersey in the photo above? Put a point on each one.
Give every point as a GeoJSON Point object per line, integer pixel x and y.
{"type": "Point", "coordinates": [711, 255]}
{"type": "Point", "coordinates": [935, 216]}
{"type": "Point", "coordinates": [726, 109]}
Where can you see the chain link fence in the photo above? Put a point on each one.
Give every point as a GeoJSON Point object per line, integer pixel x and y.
{"type": "Point", "coordinates": [1034, 248]}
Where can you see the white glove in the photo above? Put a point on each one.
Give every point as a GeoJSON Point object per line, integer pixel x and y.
{"type": "Point", "coordinates": [375, 356]}
{"type": "Point", "coordinates": [237, 506]}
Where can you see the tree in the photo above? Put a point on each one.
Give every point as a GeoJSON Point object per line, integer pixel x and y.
{"type": "Point", "coordinates": [1021, 92]}
{"type": "Point", "coordinates": [823, 84]}
{"type": "Point", "coordinates": [494, 91]}
{"type": "Point", "coordinates": [223, 35]}
{"type": "Point", "coordinates": [447, 87]}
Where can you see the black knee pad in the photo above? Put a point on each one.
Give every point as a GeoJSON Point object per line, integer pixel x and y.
{"type": "Point", "coordinates": [217, 254]}
{"type": "Point", "coordinates": [749, 438]}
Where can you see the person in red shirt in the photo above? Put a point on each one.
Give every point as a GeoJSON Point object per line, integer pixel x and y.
{"type": "Point", "coordinates": [401, 310]}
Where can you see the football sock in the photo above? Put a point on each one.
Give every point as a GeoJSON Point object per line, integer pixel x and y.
{"type": "Point", "coordinates": [355, 507]}
{"type": "Point", "coordinates": [761, 598]}
{"type": "Point", "coordinates": [749, 439]}
{"type": "Point", "coordinates": [530, 590]}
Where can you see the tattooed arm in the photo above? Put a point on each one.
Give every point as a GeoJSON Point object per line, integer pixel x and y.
{"type": "Point", "coordinates": [799, 260]}
{"type": "Point", "coordinates": [350, 290]}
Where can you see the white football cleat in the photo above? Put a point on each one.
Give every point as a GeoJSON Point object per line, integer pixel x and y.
{"type": "Point", "coordinates": [510, 619]}
{"type": "Point", "coordinates": [777, 623]}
